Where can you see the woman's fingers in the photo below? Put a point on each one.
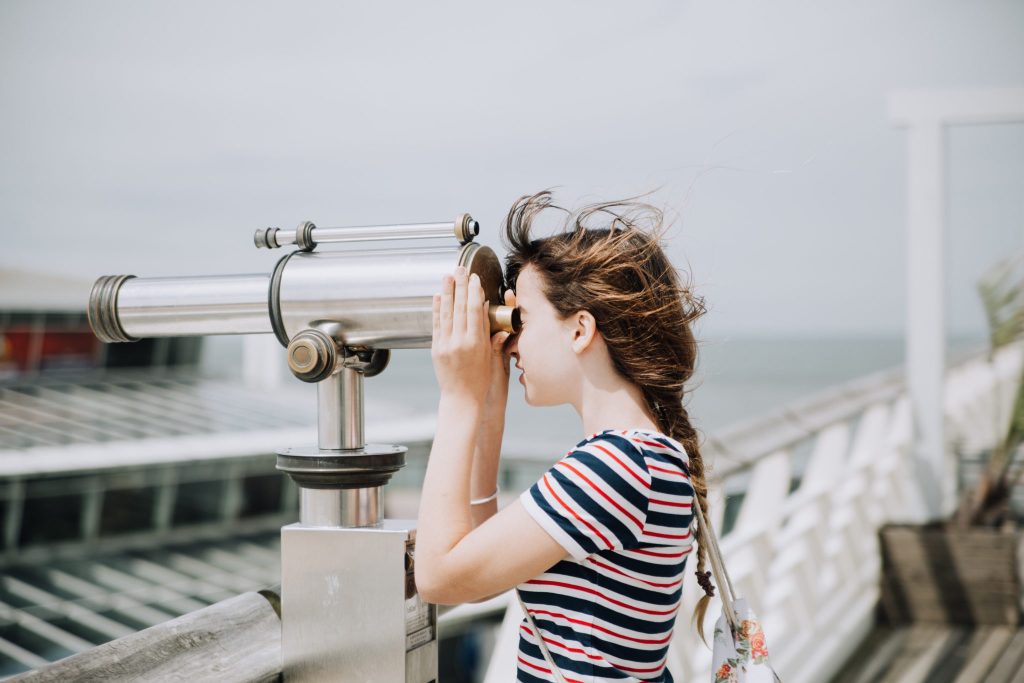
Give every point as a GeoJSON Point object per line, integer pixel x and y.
{"type": "Point", "coordinates": [498, 342]}
{"type": "Point", "coordinates": [459, 310]}
{"type": "Point", "coordinates": [437, 316]}
{"type": "Point", "coordinates": [485, 319]}
{"type": "Point", "coordinates": [474, 305]}
{"type": "Point", "coordinates": [447, 301]}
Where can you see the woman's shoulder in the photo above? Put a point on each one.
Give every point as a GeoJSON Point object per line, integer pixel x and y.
{"type": "Point", "coordinates": [622, 439]}
{"type": "Point", "coordinates": [646, 439]}
{"type": "Point", "coordinates": [641, 445]}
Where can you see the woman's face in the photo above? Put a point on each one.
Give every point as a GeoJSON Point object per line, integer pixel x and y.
{"type": "Point", "coordinates": [543, 347]}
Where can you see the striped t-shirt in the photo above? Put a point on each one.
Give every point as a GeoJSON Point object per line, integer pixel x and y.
{"type": "Point", "coordinates": [620, 503]}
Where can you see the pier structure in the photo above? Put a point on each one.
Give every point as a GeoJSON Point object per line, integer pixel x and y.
{"type": "Point", "coordinates": [799, 496]}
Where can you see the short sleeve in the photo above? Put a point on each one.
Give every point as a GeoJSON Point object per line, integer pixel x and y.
{"type": "Point", "coordinates": [595, 498]}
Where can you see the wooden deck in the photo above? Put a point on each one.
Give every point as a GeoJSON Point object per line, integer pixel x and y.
{"type": "Point", "coordinates": [937, 654]}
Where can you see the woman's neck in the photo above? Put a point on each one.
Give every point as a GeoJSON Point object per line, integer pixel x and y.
{"type": "Point", "coordinates": [618, 405]}
{"type": "Point", "coordinates": [605, 399]}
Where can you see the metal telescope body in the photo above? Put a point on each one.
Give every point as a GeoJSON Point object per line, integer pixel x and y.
{"type": "Point", "coordinates": [350, 610]}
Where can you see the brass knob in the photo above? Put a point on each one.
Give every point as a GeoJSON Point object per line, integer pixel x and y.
{"type": "Point", "coordinates": [312, 355]}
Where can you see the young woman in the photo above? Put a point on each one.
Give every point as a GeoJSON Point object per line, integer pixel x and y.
{"type": "Point", "coordinates": [597, 547]}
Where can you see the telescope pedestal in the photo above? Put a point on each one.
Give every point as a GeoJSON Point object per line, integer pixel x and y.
{"type": "Point", "coordinates": [350, 611]}
{"type": "Point", "coordinates": [349, 606]}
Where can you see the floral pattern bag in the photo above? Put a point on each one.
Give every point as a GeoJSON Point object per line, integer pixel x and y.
{"type": "Point", "coordinates": [739, 652]}
{"type": "Point", "coordinates": [741, 656]}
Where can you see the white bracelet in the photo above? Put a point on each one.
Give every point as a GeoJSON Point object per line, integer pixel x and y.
{"type": "Point", "coordinates": [488, 499]}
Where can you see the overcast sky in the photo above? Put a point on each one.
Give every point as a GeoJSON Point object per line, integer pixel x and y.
{"type": "Point", "coordinates": [153, 138]}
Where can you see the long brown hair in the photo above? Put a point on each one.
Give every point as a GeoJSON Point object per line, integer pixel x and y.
{"type": "Point", "coordinates": [608, 260]}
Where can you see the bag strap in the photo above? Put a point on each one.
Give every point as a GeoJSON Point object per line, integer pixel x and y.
{"type": "Point", "coordinates": [559, 678]}
{"type": "Point", "coordinates": [722, 577]}
{"type": "Point", "coordinates": [725, 587]}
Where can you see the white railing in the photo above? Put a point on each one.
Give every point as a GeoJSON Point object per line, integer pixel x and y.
{"type": "Point", "coordinates": [819, 479]}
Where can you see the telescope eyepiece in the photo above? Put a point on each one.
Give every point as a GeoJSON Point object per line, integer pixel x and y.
{"type": "Point", "coordinates": [503, 318]}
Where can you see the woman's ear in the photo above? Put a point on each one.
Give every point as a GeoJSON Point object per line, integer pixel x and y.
{"type": "Point", "coordinates": [584, 331]}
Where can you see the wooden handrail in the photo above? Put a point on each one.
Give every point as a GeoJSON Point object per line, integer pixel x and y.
{"type": "Point", "coordinates": [238, 639]}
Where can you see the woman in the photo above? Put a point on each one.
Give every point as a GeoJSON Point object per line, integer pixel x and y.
{"type": "Point", "coordinates": [597, 547]}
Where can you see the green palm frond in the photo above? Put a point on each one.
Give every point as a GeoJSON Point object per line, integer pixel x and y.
{"type": "Point", "coordinates": [1002, 296]}
{"type": "Point", "coordinates": [1001, 289]}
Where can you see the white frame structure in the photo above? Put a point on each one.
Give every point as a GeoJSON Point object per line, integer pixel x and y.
{"type": "Point", "coordinates": [926, 114]}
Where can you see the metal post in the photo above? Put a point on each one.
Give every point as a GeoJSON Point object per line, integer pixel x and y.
{"type": "Point", "coordinates": [340, 507]}
{"type": "Point", "coordinates": [328, 413]}
{"type": "Point", "coordinates": [349, 604]}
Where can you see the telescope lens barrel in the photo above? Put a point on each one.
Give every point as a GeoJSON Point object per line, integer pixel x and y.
{"type": "Point", "coordinates": [127, 308]}
{"type": "Point", "coordinates": [379, 299]}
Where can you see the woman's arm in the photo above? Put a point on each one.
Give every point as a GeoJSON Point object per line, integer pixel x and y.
{"type": "Point", "coordinates": [484, 480]}
{"type": "Point", "coordinates": [487, 455]}
{"type": "Point", "coordinates": [456, 562]}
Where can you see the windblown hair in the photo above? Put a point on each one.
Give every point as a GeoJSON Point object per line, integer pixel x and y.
{"type": "Point", "coordinates": [608, 260]}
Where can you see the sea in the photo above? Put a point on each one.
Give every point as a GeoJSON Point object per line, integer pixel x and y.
{"type": "Point", "coordinates": [737, 378]}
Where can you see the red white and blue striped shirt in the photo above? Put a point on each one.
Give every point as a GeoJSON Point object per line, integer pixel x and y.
{"type": "Point", "coordinates": [620, 503]}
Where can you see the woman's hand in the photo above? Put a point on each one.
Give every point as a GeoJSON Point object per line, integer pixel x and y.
{"type": "Point", "coordinates": [461, 349]}
{"type": "Point", "coordinates": [460, 558]}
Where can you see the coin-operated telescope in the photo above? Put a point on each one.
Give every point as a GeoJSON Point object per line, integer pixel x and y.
{"type": "Point", "coordinates": [350, 610]}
